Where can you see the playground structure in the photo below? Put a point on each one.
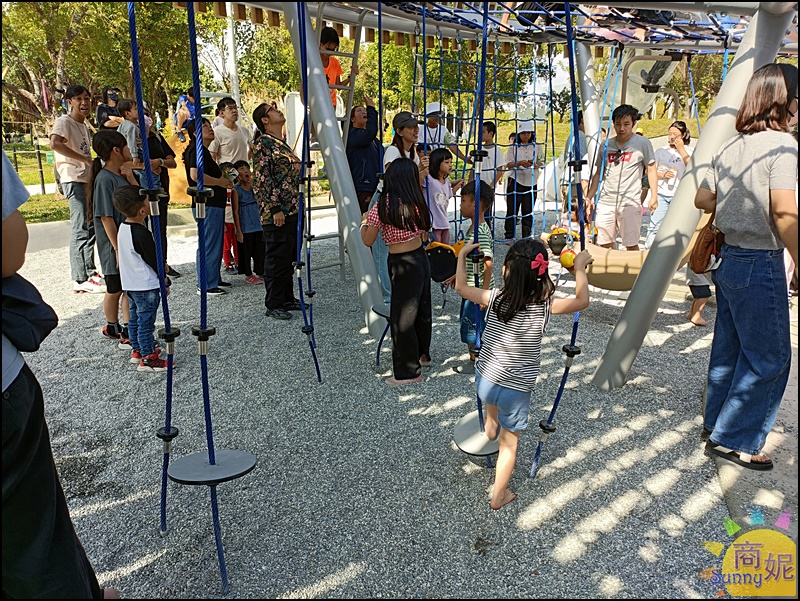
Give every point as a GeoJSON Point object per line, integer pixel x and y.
{"type": "Point", "coordinates": [647, 274]}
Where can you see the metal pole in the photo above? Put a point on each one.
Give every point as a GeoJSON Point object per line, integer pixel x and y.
{"type": "Point", "coordinates": [232, 69]}
{"type": "Point", "coordinates": [39, 160]}
{"type": "Point", "coordinates": [342, 188]}
{"type": "Point", "coordinates": [759, 47]}
{"type": "Point", "coordinates": [590, 100]}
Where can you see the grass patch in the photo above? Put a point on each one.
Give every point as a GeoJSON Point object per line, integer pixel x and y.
{"type": "Point", "coordinates": [42, 208]}
{"type": "Point", "coordinates": [23, 158]}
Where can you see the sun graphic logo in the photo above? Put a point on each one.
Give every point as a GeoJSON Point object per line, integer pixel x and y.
{"type": "Point", "coordinates": [759, 563]}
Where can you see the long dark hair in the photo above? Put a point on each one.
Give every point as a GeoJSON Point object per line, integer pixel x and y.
{"type": "Point", "coordinates": [682, 127]}
{"type": "Point", "coordinates": [402, 204]}
{"type": "Point", "coordinates": [397, 140]}
{"type": "Point", "coordinates": [192, 145]}
{"type": "Point", "coordinates": [438, 156]}
{"type": "Point", "coordinates": [522, 285]}
{"type": "Point", "coordinates": [103, 143]}
{"type": "Point", "coordinates": [766, 100]}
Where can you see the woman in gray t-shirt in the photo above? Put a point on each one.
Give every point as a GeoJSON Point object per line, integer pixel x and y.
{"type": "Point", "coordinates": [751, 183]}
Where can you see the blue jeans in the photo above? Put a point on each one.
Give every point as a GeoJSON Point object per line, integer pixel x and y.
{"type": "Point", "coordinates": [751, 352]}
{"type": "Point", "coordinates": [81, 242]}
{"type": "Point", "coordinates": [380, 256]}
{"type": "Point", "coordinates": [144, 305]}
{"type": "Point", "coordinates": [656, 218]}
{"type": "Point", "coordinates": [513, 406]}
{"type": "Point", "coordinates": [470, 327]}
{"type": "Point", "coordinates": [215, 230]}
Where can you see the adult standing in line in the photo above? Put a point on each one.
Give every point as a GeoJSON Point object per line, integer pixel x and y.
{"type": "Point", "coordinates": [406, 136]}
{"type": "Point", "coordinates": [73, 159]}
{"type": "Point", "coordinates": [435, 135]}
{"type": "Point", "coordinates": [215, 205]}
{"type": "Point", "coordinates": [107, 115]}
{"type": "Point", "coordinates": [522, 160]}
{"type": "Point", "coordinates": [364, 151]}
{"type": "Point", "coordinates": [671, 161]}
{"type": "Point", "coordinates": [628, 159]}
{"type": "Point", "coordinates": [42, 555]}
{"type": "Point", "coordinates": [751, 184]}
{"type": "Point", "coordinates": [232, 143]}
{"type": "Point", "coordinates": [162, 159]}
{"type": "Point", "coordinates": [276, 187]}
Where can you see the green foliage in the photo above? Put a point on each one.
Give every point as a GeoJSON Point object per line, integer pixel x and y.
{"type": "Point", "coordinates": [41, 208]}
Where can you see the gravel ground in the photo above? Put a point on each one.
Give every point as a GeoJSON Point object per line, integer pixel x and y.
{"type": "Point", "coordinates": [359, 490]}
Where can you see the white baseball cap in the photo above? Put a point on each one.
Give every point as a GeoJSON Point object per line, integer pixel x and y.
{"type": "Point", "coordinates": [525, 126]}
{"type": "Point", "coordinates": [433, 108]}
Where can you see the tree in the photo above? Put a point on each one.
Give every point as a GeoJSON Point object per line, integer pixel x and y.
{"type": "Point", "coordinates": [561, 103]}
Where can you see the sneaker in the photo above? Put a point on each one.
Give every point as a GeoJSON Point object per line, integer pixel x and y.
{"type": "Point", "coordinates": [172, 273]}
{"type": "Point", "coordinates": [224, 284]}
{"type": "Point", "coordinates": [88, 286]}
{"type": "Point", "coordinates": [97, 279]}
{"type": "Point", "coordinates": [213, 292]}
{"type": "Point", "coordinates": [293, 306]}
{"type": "Point", "coordinates": [395, 382]}
{"type": "Point", "coordinates": [181, 136]}
{"type": "Point", "coordinates": [278, 314]}
{"type": "Point", "coordinates": [152, 363]}
{"type": "Point", "coordinates": [124, 343]}
{"type": "Point", "coordinates": [253, 279]}
{"type": "Point", "coordinates": [231, 270]}
{"type": "Point", "coordinates": [136, 356]}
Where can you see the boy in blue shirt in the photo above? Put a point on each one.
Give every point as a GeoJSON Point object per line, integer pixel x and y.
{"type": "Point", "coordinates": [252, 248]}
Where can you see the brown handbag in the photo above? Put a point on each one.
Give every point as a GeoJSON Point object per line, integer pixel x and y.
{"type": "Point", "coordinates": [707, 247]}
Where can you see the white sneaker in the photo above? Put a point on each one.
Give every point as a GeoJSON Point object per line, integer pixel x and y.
{"type": "Point", "coordinates": [88, 286]}
{"type": "Point", "coordinates": [98, 279]}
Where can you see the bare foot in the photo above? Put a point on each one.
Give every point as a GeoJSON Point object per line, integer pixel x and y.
{"type": "Point", "coordinates": [696, 319]}
{"type": "Point", "coordinates": [110, 593]}
{"type": "Point", "coordinates": [508, 496]}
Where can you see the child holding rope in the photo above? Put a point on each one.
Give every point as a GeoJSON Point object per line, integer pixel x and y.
{"type": "Point", "coordinates": [439, 191]}
{"type": "Point", "coordinates": [401, 215]}
{"type": "Point", "coordinates": [508, 364]}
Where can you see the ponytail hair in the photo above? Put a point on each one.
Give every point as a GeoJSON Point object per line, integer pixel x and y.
{"type": "Point", "coordinates": [103, 143]}
{"type": "Point", "coordinates": [522, 284]}
{"type": "Point", "coordinates": [397, 140]}
{"type": "Point", "coordinates": [683, 128]}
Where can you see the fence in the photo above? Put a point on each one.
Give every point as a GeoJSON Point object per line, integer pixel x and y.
{"type": "Point", "coordinates": [22, 143]}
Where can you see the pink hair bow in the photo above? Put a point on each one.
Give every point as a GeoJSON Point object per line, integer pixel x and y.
{"type": "Point", "coordinates": [541, 263]}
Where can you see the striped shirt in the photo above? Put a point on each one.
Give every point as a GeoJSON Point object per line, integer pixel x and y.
{"type": "Point", "coordinates": [485, 240]}
{"type": "Point", "coordinates": [510, 352]}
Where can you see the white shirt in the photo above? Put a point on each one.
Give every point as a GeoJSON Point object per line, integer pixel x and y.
{"type": "Point", "coordinates": [230, 145]}
{"type": "Point", "coordinates": [668, 158]}
{"type": "Point", "coordinates": [77, 139]}
{"type": "Point", "coordinates": [392, 153]}
{"type": "Point", "coordinates": [523, 152]}
{"type": "Point", "coordinates": [489, 163]}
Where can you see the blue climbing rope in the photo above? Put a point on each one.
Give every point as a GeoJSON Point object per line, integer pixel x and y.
{"type": "Point", "coordinates": [694, 96]}
{"type": "Point", "coordinates": [203, 331]}
{"type": "Point", "coordinates": [571, 350]}
{"type": "Point", "coordinates": [307, 310]}
{"type": "Point", "coordinates": [153, 191]}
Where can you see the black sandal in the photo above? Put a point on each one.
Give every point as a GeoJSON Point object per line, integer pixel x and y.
{"type": "Point", "coordinates": [736, 457]}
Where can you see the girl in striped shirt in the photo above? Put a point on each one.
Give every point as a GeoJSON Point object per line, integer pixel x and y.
{"type": "Point", "coordinates": [508, 363]}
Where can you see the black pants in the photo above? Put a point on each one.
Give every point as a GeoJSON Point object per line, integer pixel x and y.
{"type": "Point", "coordinates": [519, 197]}
{"type": "Point", "coordinates": [42, 556]}
{"type": "Point", "coordinates": [281, 251]}
{"type": "Point", "coordinates": [252, 249]}
{"type": "Point", "coordinates": [163, 204]}
{"type": "Point", "coordinates": [410, 312]}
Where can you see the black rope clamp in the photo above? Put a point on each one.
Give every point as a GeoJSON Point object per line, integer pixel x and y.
{"type": "Point", "coordinates": [152, 194]}
{"type": "Point", "coordinates": [167, 435]}
{"type": "Point", "coordinates": [547, 428]}
{"type": "Point", "coordinates": [309, 237]}
{"type": "Point", "coordinates": [479, 154]}
{"type": "Point", "coordinates": [477, 257]}
{"type": "Point", "coordinates": [570, 350]}
{"type": "Point", "coordinates": [203, 334]}
{"type": "Point", "coordinates": [310, 293]}
{"type": "Point", "coordinates": [169, 336]}
{"type": "Point", "coordinates": [307, 330]}
{"type": "Point", "coordinates": [577, 164]}
{"type": "Point", "coordinates": [298, 265]}
{"type": "Point", "coordinates": [200, 195]}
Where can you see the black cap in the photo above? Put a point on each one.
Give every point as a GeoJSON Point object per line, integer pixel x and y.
{"type": "Point", "coordinates": [405, 119]}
